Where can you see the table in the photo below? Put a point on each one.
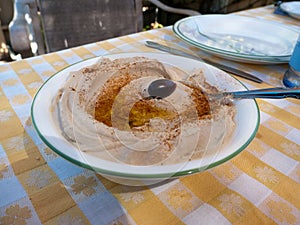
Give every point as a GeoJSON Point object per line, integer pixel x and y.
{"type": "Point", "coordinates": [259, 186]}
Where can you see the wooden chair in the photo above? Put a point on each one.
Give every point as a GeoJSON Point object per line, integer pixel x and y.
{"type": "Point", "coordinates": [6, 11]}
{"type": "Point", "coordinates": [42, 26]}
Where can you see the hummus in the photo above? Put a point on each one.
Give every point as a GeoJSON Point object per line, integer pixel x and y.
{"type": "Point", "coordinates": [104, 110]}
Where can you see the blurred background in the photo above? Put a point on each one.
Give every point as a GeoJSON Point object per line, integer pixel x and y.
{"type": "Point", "coordinates": [153, 17]}
{"type": "Point", "coordinates": [203, 6]}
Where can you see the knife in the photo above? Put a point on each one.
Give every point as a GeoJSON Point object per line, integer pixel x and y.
{"type": "Point", "coordinates": [174, 51]}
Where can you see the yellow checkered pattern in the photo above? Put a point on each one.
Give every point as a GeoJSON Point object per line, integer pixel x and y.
{"type": "Point", "coordinates": [259, 186]}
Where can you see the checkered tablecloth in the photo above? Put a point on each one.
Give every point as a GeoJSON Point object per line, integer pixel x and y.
{"type": "Point", "coordinates": [259, 186]}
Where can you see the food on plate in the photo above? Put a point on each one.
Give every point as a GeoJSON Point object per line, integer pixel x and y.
{"type": "Point", "coordinates": [105, 111]}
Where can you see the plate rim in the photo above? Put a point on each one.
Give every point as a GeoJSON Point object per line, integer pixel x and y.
{"type": "Point", "coordinates": [230, 54]}
{"type": "Point", "coordinates": [138, 175]}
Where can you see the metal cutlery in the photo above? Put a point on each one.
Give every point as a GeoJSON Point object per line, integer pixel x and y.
{"type": "Point", "coordinates": [174, 51]}
{"type": "Point", "coordinates": [162, 88]}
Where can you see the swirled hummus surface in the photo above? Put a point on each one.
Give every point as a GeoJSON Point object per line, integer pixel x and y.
{"type": "Point", "coordinates": [104, 110]}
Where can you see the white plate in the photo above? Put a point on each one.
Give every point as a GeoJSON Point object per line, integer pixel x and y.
{"type": "Point", "coordinates": [239, 38]}
{"type": "Point", "coordinates": [291, 8]}
{"type": "Point", "coordinates": [247, 120]}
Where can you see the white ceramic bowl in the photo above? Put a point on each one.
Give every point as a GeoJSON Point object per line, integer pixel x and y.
{"type": "Point", "coordinates": [247, 122]}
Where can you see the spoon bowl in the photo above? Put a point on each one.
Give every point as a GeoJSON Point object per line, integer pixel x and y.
{"type": "Point", "coordinates": [161, 88]}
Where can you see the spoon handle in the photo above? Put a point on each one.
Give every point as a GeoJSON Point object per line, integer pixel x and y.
{"type": "Point", "coordinates": [274, 93]}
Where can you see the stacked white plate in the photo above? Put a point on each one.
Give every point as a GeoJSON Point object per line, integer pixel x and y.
{"type": "Point", "coordinates": [239, 38]}
{"type": "Point", "coordinates": [291, 8]}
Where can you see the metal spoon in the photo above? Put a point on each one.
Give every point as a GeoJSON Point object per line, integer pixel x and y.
{"type": "Point", "coordinates": [162, 88]}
